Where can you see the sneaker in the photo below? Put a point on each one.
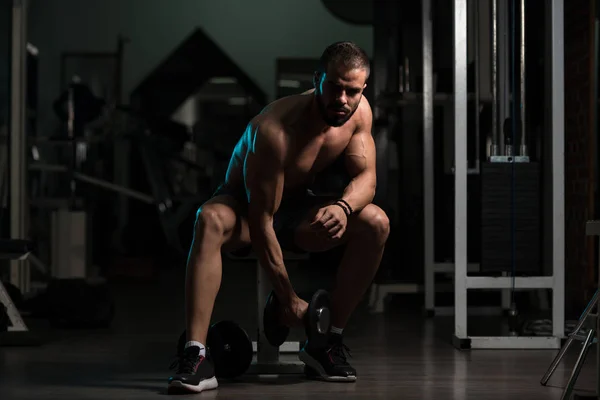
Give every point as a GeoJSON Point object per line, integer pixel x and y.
{"type": "Point", "coordinates": [329, 363]}
{"type": "Point", "coordinates": [194, 373]}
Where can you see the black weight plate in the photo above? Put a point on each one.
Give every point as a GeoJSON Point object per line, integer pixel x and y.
{"type": "Point", "coordinates": [275, 332]}
{"type": "Point", "coordinates": [319, 319]}
{"type": "Point", "coordinates": [230, 349]}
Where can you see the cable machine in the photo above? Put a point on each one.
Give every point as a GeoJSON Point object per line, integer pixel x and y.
{"type": "Point", "coordinates": [512, 164]}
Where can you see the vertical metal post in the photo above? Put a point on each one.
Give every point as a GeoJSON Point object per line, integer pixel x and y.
{"type": "Point", "coordinates": [494, 151]}
{"type": "Point", "coordinates": [460, 162]}
{"type": "Point", "coordinates": [557, 127]}
{"type": "Point", "coordinates": [265, 353]}
{"type": "Point", "coordinates": [19, 274]}
{"type": "Point", "coordinates": [503, 80]}
{"type": "Point", "coordinates": [428, 157]}
{"type": "Point", "coordinates": [477, 84]}
{"type": "Point", "coordinates": [523, 146]}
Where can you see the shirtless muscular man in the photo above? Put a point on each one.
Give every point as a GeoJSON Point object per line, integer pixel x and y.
{"type": "Point", "coordinates": [264, 201]}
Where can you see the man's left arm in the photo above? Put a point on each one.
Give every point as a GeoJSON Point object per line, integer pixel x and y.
{"type": "Point", "coordinates": [360, 162]}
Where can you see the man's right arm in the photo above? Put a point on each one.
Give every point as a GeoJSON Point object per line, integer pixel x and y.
{"type": "Point", "coordinates": [264, 182]}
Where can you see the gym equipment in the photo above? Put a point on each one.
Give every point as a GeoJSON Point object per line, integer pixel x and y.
{"type": "Point", "coordinates": [15, 294]}
{"type": "Point", "coordinates": [510, 211]}
{"type": "Point", "coordinates": [587, 320]}
{"type": "Point", "coordinates": [14, 330]}
{"type": "Point", "coordinates": [76, 303]}
{"type": "Point", "coordinates": [229, 346]}
{"type": "Point", "coordinates": [461, 171]}
{"type": "Point", "coordinates": [275, 332]}
{"type": "Point", "coordinates": [317, 320]}
{"type": "Point", "coordinates": [270, 359]}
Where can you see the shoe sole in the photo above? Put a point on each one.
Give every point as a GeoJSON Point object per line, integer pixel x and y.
{"type": "Point", "coordinates": [314, 364]}
{"type": "Point", "coordinates": [177, 387]}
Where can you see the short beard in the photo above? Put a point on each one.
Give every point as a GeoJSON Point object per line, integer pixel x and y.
{"type": "Point", "coordinates": [332, 121]}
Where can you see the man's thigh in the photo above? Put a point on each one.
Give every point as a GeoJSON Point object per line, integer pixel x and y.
{"type": "Point", "coordinates": [292, 225]}
{"type": "Point", "coordinates": [230, 210]}
{"type": "Point", "coordinates": [365, 222]}
{"type": "Point", "coordinates": [307, 239]}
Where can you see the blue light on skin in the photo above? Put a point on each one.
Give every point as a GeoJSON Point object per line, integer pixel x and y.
{"type": "Point", "coordinates": [339, 91]}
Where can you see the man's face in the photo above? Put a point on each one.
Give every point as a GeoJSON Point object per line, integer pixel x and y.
{"type": "Point", "coordinates": [338, 93]}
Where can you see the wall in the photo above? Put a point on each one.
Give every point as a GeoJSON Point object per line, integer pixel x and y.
{"type": "Point", "coordinates": [577, 141]}
{"type": "Point", "coordinates": [253, 33]}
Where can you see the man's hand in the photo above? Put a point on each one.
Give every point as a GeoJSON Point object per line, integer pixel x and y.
{"type": "Point", "coordinates": [331, 221]}
{"type": "Point", "coordinates": [292, 314]}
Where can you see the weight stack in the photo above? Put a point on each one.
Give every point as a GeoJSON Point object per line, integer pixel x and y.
{"type": "Point", "coordinates": [497, 216]}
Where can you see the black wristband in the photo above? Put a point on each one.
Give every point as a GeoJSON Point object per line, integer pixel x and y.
{"type": "Point", "coordinates": [346, 206]}
{"type": "Point", "coordinates": [343, 208]}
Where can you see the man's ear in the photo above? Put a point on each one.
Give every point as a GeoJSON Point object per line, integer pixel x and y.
{"type": "Point", "coordinates": [317, 79]}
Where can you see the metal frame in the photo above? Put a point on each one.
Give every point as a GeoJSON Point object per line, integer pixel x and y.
{"type": "Point", "coordinates": [268, 360]}
{"type": "Point", "coordinates": [17, 323]}
{"type": "Point", "coordinates": [429, 98]}
{"type": "Point", "coordinates": [18, 333]}
{"type": "Point", "coordinates": [587, 321]}
{"type": "Point", "coordinates": [380, 291]}
{"type": "Point", "coordinates": [592, 228]}
{"type": "Point", "coordinates": [19, 269]}
{"type": "Point", "coordinates": [428, 150]}
{"type": "Point", "coordinates": [143, 197]}
{"type": "Point", "coordinates": [463, 282]}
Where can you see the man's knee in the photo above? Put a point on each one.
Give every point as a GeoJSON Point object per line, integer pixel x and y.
{"type": "Point", "coordinates": [210, 220]}
{"type": "Point", "coordinates": [375, 222]}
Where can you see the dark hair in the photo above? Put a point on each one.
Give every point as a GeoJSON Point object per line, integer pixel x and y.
{"type": "Point", "coordinates": [346, 53]}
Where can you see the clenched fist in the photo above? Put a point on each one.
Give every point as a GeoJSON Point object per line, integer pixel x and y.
{"type": "Point", "coordinates": [330, 220]}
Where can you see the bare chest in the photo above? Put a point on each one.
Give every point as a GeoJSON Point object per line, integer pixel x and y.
{"type": "Point", "coordinates": [309, 157]}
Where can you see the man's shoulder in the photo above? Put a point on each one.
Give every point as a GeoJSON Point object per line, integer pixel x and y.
{"type": "Point", "coordinates": [364, 108]}
{"type": "Point", "coordinates": [364, 114]}
{"type": "Point", "coordinates": [268, 135]}
{"type": "Point", "coordinates": [267, 125]}
{"type": "Point", "coordinates": [272, 120]}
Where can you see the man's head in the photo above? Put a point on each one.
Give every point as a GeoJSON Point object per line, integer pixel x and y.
{"type": "Point", "coordinates": [339, 81]}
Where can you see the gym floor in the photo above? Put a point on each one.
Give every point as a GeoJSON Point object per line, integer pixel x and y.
{"type": "Point", "coordinates": [399, 354]}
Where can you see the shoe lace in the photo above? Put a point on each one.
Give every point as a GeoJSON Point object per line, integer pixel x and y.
{"type": "Point", "coordinates": [339, 353]}
{"type": "Point", "coordinates": [186, 363]}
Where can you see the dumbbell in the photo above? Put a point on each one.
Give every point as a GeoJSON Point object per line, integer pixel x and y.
{"type": "Point", "coordinates": [229, 346]}
{"type": "Point", "coordinates": [317, 320]}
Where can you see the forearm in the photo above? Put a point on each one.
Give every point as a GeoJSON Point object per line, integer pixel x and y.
{"type": "Point", "coordinates": [268, 251]}
{"type": "Point", "coordinates": [360, 191]}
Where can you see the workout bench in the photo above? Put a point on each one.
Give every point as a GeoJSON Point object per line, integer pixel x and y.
{"type": "Point", "coordinates": [268, 360]}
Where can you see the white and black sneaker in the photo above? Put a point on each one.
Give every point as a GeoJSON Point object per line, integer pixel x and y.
{"type": "Point", "coordinates": [194, 373]}
{"type": "Point", "coordinates": [329, 363]}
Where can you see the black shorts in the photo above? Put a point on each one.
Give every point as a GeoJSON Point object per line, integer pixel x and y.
{"type": "Point", "coordinates": [292, 211]}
